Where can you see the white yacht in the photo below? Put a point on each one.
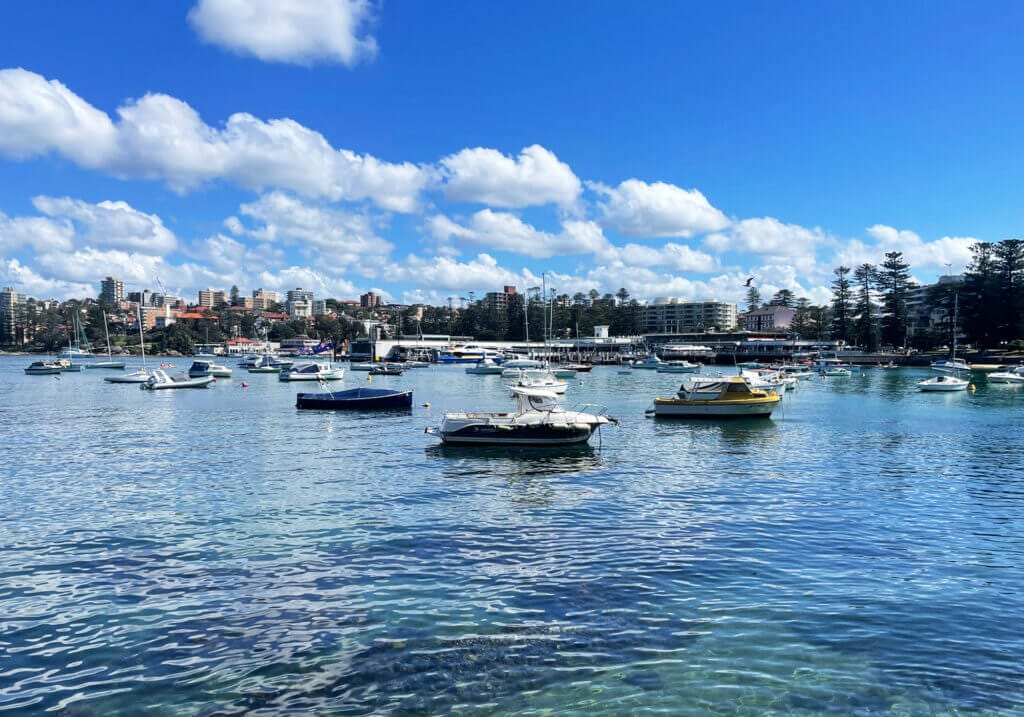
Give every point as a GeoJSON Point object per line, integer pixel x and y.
{"type": "Point", "coordinates": [951, 364]}
{"type": "Point", "coordinates": [537, 421]}
{"type": "Point", "coordinates": [160, 380]}
{"type": "Point", "coordinates": [651, 362]}
{"type": "Point", "coordinates": [1013, 375]}
{"type": "Point", "coordinates": [311, 371]}
{"type": "Point", "coordinates": [944, 383]}
{"type": "Point", "coordinates": [485, 367]}
{"type": "Point", "coordinates": [680, 366]}
{"type": "Point", "coordinates": [541, 380]}
{"type": "Point", "coordinates": [206, 367]}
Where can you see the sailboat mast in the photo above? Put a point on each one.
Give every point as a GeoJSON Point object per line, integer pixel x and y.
{"type": "Point", "coordinates": [142, 340]}
{"type": "Point", "coordinates": [106, 332]}
{"type": "Point", "coordinates": [956, 311]}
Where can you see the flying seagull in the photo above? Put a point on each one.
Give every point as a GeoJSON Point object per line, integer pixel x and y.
{"type": "Point", "coordinates": [749, 279]}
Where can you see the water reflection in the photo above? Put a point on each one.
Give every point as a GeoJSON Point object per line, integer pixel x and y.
{"type": "Point", "coordinates": [522, 461]}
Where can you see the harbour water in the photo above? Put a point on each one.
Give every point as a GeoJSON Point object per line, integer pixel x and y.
{"type": "Point", "coordinates": [217, 552]}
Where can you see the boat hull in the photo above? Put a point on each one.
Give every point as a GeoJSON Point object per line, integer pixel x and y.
{"type": "Point", "coordinates": [942, 387]}
{"type": "Point", "coordinates": [358, 399]}
{"type": "Point", "coordinates": [135, 377]}
{"type": "Point", "coordinates": [202, 382]}
{"type": "Point", "coordinates": [1006, 378]}
{"type": "Point", "coordinates": [43, 371]}
{"type": "Point", "coordinates": [309, 377]}
{"type": "Point", "coordinates": [491, 435]}
{"type": "Point", "coordinates": [761, 407]}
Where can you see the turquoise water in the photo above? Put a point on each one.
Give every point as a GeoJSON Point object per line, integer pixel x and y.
{"type": "Point", "coordinates": [218, 552]}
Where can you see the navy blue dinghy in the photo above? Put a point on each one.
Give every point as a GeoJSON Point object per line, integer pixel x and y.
{"type": "Point", "coordinates": [356, 398]}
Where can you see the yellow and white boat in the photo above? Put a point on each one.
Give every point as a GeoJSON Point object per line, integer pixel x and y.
{"type": "Point", "coordinates": [727, 397]}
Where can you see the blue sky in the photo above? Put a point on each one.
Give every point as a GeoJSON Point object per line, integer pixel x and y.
{"type": "Point", "coordinates": [426, 150]}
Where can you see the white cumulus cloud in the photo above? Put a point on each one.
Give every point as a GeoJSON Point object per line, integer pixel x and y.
{"type": "Point", "coordinates": [38, 233]}
{"type": "Point", "coordinates": [343, 240]}
{"type": "Point", "coordinates": [767, 236]}
{"type": "Point", "coordinates": [32, 283]}
{"type": "Point", "coordinates": [115, 225]}
{"type": "Point", "coordinates": [507, 232]}
{"type": "Point", "coordinates": [162, 138]}
{"type": "Point", "coordinates": [917, 252]}
{"type": "Point", "coordinates": [301, 32]}
{"type": "Point", "coordinates": [39, 116]}
{"type": "Point", "coordinates": [672, 256]}
{"type": "Point", "coordinates": [487, 176]}
{"type": "Point", "coordinates": [639, 209]}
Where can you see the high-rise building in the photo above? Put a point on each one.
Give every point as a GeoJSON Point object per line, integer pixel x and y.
{"type": "Point", "coordinates": [369, 300]}
{"type": "Point", "coordinates": [262, 299]}
{"type": "Point", "coordinates": [499, 300]}
{"type": "Point", "coordinates": [300, 303]}
{"type": "Point", "coordinates": [319, 307]}
{"type": "Point", "coordinates": [111, 291]}
{"type": "Point", "coordinates": [13, 317]}
{"type": "Point", "coordinates": [212, 297]}
{"type": "Point", "coordinates": [143, 298]}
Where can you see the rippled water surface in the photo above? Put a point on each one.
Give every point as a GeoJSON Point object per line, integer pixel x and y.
{"type": "Point", "coordinates": [218, 552]}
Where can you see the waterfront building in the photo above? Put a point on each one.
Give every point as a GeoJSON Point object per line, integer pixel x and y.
{"type": "Point", "coordinates": [212, 297]}
{"type": "Point", "coordinates": [13, 317]}
{"type": "Point", "coordinates": [319, 307]}
{"type": "Point", "coordinates": [111, 291]}
{"type": "Point", "coordinates": [767, 318]}
{"type": "Point", "coordinates": [369, 300]}
{"type": "Point", "coordinates": [666, 315]}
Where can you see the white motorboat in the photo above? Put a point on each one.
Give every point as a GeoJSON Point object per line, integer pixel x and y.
{"type": "Point", "coordinates": [43, 368]}
{"type": "Point", "coordinates": [311, 371]}
{"type": "Point", "coordinates": [944, 383]}
{"type": "Point", "coordinates": [1013, 375]}
{"type": "Point", "coordinates": [541, 380]}
{"type": "Point", "coordinates": [951, 365]}
{"type": "Point", "coordinates": [796, 370]}
{"type": "Point", "coordinates": [837, 371]}
{"type": "Point", "coordinates": [522, 363]}
{"type": "Point", "coordinates": [160, 380]}
{"type": "Point", "coordinates": [678, 367]}
{"type": "Point", "coordinates": [484, 367]}
{"type": "Point", "coordinates": [206, 367]}
{"type": "Point", "coordinates": [824, 365]}
{"type": "Point", "coordinates": [764, 379]}
{"type": "Point", "coordinates": [363, 366]}
{"type": "Point", "coordinates": [139, 376]}
{"type": "Point", "coordinates": [537, 421]}
{"type": "Point", "coordinates": [652, 362]}
{"type": "Point", "coordinates": [729, 397]}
